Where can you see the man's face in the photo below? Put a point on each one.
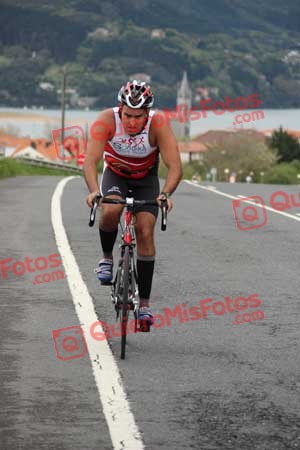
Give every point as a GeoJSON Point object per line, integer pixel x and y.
{"type": "Point", "coordinates": [133, 120]}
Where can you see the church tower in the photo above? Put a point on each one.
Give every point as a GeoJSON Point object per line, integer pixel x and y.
{"type": "Point", "coordinates": [184, 103]}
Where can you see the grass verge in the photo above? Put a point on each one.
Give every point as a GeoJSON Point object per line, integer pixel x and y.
{"type": "Point", "coordinates": [10, 167]}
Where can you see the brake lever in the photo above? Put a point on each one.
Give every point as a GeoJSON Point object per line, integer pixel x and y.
{"type": "Point", "coordinates": [93, 209]}
{"type": "Point", "coordinates": [164, 209]}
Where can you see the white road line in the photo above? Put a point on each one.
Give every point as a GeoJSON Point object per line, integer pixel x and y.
{"type": "Point", "coordinates": [120, 420]}
{"type": "Point", "coordinates": [239, 197]}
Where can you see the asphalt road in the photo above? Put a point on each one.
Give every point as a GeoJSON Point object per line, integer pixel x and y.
{"type": "Point", "coordinates": [206, 383]}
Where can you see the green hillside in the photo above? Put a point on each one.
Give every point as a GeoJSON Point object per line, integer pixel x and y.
{"type": "Point", "coordinates": [236, 47]}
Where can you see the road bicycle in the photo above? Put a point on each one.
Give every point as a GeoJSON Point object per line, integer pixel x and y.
{"type": "Point", "coordinates": [124, 287]}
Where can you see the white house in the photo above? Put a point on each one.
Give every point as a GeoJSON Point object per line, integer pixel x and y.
{"type": "Point", "coordinates": [29, 152]}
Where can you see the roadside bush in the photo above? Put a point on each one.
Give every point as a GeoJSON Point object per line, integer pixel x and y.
{"type": "Point", "coordinates": [285, 173]}
{"type": "Point", "coordinates": [193, 168]}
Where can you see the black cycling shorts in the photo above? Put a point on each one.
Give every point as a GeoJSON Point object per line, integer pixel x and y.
{"type": "Point", "coordinates": [146, 188]}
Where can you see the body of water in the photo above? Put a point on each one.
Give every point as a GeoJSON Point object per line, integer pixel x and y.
{"type": "Point", "coordinates": [36, 123]}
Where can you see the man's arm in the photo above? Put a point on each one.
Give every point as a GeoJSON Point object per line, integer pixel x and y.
{"type": "Point", "coordinates": [100, 132]}
{"type": "Point", "coordinates": [169, 151]}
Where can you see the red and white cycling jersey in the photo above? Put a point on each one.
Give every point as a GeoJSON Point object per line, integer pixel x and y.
{"type": "Point", "coordinates": [130, 156]}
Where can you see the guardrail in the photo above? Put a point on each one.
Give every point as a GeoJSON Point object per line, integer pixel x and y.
{"type": "Point", "coordinates": [54, 165]}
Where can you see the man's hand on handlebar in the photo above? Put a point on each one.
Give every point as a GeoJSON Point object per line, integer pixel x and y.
{"type": "Point", "coordinates": [169, 201]}
{"type": "Point", "coordinates": [90, 198]}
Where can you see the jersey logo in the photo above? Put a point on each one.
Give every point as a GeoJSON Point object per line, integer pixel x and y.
{"type": "Point", "coordinates": [130, 146]}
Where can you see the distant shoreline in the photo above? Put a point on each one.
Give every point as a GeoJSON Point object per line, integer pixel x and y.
{"type": "Point", "coordinates": [28, 116]}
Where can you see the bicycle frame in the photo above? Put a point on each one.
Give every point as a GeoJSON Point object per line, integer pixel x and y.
{"type": "Point", "coordinates": [129, 240]}
{"type": "Point", "coordinates": [129, 234]}
{"type": "Point", "coordinates": [124, 288]}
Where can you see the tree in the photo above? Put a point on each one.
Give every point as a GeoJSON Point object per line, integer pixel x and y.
{"type": "Point", "coordinates": [287, 146]}
{"type": "Point", "coordinates": [239, 154]}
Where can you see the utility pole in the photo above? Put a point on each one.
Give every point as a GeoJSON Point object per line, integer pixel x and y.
{"type": "Point", "coordinates": [63, 96]}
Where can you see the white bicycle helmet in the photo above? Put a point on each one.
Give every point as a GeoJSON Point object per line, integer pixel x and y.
{"type": "Point", "coordinates": [136, 94]}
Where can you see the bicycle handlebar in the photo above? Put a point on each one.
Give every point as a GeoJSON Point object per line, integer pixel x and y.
{"type": "Point", "coordinates": [129, 201]}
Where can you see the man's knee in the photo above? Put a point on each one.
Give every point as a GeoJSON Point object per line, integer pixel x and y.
{"type": "Point", "coordinates": [111, 210]}
{"type": "Point", "coordinates": [145, 230]}
{"type": "Point", "coordinates": [110, 215]}
{"type": "Point", "coordinates": [144, 234]}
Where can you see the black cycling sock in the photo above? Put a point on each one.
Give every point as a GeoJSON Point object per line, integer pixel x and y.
{"type": "Point", "coordinates": [108, 239]}
{"type": "Point", "coordinates": [145, 267]}
{"type": "Point", "coordinates": [144, 302]}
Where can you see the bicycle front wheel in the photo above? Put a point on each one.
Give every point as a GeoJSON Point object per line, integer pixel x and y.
{"type": "Point", "coordinates": [125, 309]}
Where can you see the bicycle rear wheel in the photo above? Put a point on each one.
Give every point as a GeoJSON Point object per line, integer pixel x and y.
{"type": "Point", "coordinates": [125, 309]}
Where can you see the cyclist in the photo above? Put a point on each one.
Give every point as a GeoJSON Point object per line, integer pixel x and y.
{"type": "Point", "coordinates": [130, 137]}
